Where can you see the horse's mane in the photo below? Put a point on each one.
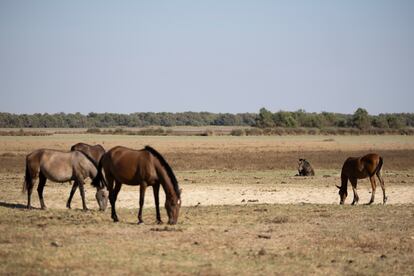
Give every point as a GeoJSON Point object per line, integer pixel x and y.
{"type": "Point", "coordinates": [167, 168]}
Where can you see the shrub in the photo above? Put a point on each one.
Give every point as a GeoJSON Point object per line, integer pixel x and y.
{"type": "Point", "coordinates": [93, 130]}
{"type": "Point", "coordinates": [237, 132]}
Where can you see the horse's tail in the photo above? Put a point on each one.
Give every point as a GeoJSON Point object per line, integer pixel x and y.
{"type": "Point", "coordinates": [99, 178]}
{"type": "Point", "coordinates": [28, 179]}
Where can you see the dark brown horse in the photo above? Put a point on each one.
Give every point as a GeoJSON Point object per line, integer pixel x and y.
{"type": "Point", "coordinates": [62, 167]}
{"type": "Point", "coordinates": [305, 168]}
{"type": "Point", "coordinates": [144, 167]}
{"type": "Point", "coordinates": [94, 152]}
{"type": "Point", "coordinates": [356, 168]}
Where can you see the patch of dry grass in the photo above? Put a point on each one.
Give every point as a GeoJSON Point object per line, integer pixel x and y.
{"type": "Point", "coordinates": [277, 239]}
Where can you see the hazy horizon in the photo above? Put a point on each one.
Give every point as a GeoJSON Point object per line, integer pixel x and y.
{"type": "Point", "coordinates": [215, 56]}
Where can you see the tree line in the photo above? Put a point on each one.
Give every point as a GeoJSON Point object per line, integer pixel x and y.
{"type": "Point", "coordinates": [361, 120]}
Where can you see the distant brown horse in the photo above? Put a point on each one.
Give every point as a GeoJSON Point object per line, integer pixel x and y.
{"type": "Point", "coordinates": [356, 168]}
{"type": "Point", "coordinates": [305, 168]}
{"type": "Point", "coordinates": [144, 167]}
{"type": "Point", "coordinates": [94, 152]}
{"type": "Point", "coordinates": [62, 167]}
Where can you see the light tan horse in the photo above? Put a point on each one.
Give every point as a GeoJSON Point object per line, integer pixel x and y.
{"type": "Point", "coordinates": [95, 153]}
{"type": "Point", "coordinates": [62, 167]}
{"type": "Point", "coordinates": [356, 168]}
{"type": "Point", "coordinates": [144, 167]}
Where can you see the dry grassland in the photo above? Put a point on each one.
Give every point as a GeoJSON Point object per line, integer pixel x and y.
{"type": "Point", "coordinates": [244, 211]}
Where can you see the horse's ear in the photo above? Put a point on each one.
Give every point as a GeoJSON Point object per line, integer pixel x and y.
{"type": "Point", "coordinates": [338, 187]}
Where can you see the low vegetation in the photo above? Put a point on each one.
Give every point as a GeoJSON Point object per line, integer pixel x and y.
{"type": "Point", "coordinates": [266, 122]}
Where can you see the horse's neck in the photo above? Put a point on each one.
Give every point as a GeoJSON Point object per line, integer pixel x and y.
{"type": "Point", "coordinates": [344, 181]}
{"type": "Point", "coordinates": [167, 185]}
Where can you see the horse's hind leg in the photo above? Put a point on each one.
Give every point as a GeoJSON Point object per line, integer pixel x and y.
{"type": "Point", "coordinates": [72, 192]}
{"type": "Point", "coordinates": [113, 194]}
{"type": "Point", "coordinates": [374, 187]}
{"type": "Point", "coordinates": [384, 198]}
{"type": "Point", "coordinates": [354, 183]}
{"type": "Point", "coordinates": [156, 190]}
{"type": "Point", "coordinates": [82, 192]}
{"type": "Point", "coordinates": [29, 193]}
{"type": "Point", "coordinates": [40, 187]}
{"type": "Point", "coordinates": [142, 188]}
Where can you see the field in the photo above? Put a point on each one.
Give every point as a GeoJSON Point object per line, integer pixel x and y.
{"type": "Point", "coordinates": [244, 211]}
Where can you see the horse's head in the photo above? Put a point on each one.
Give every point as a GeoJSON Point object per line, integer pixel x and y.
{"type": "Point", "coordinates": [343, 193]}
{"type": "Point", "coordinates": [173, 209]}
{"type": "Point", "coordinates": [102, 198]}
{"type": "Point", "coordinates": [301, 164]}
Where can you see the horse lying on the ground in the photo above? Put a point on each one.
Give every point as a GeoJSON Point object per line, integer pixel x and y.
{"type": "Point", "coordinates": [356, 168]}
{"type": "Point", "coordinates": [305, 168]}
{"type": "Point", "coordinates": [62, 167]}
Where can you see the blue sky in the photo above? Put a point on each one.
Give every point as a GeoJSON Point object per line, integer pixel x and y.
{"type": "Point", "coordinates": [217, 56]}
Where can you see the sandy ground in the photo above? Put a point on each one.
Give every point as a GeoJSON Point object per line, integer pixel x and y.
{"type": "Point", "coordinates": [230, 170]}
{"type": "Point", "coordinates": [275, 189]}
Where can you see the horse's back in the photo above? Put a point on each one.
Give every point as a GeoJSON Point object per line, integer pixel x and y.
{"type": "Point", "coordinates": [56, 165]}
{"type": "Point", "coordinates": [129, 166]}
{"type": "Point", "coordinates": [361, 167]}
{"type": "Point", "coordinates": [94, 151]}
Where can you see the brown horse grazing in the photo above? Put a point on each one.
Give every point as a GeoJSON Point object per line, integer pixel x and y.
{"type": "Point", "coordinates": [62, 167]}
{"type": "Point", "coordinates": [144, 167]}
{"type": "Point", "coordinates": [356, 168]}
{"type": "Point", "coordinates": [94, 152]}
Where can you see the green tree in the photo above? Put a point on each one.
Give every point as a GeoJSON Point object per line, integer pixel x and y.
{"type": "Point", "coordinates": [265, 118]}
{"type": "Point", "coordinates": [361, 119]}
{"type": "Point", "coordinates": [284, 119]}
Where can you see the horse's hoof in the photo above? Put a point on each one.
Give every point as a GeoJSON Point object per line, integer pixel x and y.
{"type": "Point", "coordinates": [159, 222]}
{"type": "Point", "coordinates": [140, 222]}
{"type": "Point", "coordinates": [43, 208]}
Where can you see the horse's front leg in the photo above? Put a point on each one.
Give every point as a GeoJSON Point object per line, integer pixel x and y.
{"type": "Point", "coordinates": [374, 186]}
{"type": "Point", "coordinates": [72, 192]}
{"type": "Point", "coordinates": [142, 189]}
{"type": "Point", "coordinates": [354, 183]}
{"type": "Point", "coordinates": [156, 190]}
{"type": "Point", "coordinates": [82, 192]}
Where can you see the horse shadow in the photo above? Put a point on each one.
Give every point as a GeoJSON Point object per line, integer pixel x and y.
{"type": "Point", "coordinates": [13, 205]}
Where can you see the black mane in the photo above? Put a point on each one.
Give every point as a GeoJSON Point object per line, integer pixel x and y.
{"type": "Point", "coordinates": [167, 168]}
